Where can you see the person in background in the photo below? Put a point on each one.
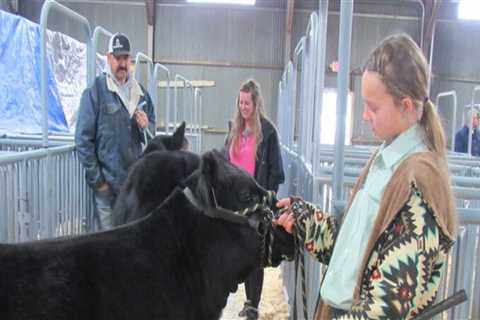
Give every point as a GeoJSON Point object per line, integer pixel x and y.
{"type": "Point", "coordinates": [113, 114]}
{"type": "Point", "coordinates": [386, 257]}
{"type": "Point", "coordinates": [252, 145]}
{"type": "Point", "coordinates": [461, 137]}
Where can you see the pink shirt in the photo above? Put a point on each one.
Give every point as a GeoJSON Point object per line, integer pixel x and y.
{"type": "Point", "coordinates": [245, 158]}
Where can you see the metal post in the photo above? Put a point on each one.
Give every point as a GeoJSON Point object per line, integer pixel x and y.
{"type": "Point", "coordinates": [192, 111]}
{"type": "Point", "coordinates": [432, 43]}
{"type": "Point", "coordinates": [422, 22]}
{"type": "Point", "coordinates": [320, 78]}
{"type": "Point", "coordinates": [93, 59]}
{"type": "Point", "coordinates": [344, 46]}
{"type": "Point", "coordinates": [297, 107]}
{"type": "Point", "coordinates": [311, 49]}
{"type": "Point", "coordinates": [199, 117]}
{"type": "Point", "coordinates": [469, 149]}
{"type": "Point", "coordinates": [290, 88]}
{"type": "Point", "coordinates": [153, 92]}
{"type": "Point", "coordinates": [143, 57]}
{"type": "Point", "coordinates": [454, 112]}
{"type": "Point", "coordinates": [178, 77]}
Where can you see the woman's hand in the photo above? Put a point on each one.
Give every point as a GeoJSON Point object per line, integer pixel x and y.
{"type": "Point", "coordinates": [286, 219]}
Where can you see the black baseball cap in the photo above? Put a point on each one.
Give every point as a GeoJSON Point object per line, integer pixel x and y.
{"type": "Point", "coordinates": [119, 45]}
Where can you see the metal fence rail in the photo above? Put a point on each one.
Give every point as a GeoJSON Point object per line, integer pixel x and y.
{"type": "Point", "coordinates": [463, 270]}
{"type": "Point", "coordinates": [23, 195]}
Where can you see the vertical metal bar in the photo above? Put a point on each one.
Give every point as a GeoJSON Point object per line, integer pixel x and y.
{"type": "Point", "coordinates": [344, 46]}
{"type": "Point", "coordinates": [178, 77]}
{"type": "Point", "coordinates": [198, 108]}
{"type": "Point", "coordinates": [143, 57]}
{"type": "Point", "coordinates": [297, 103]}
{"type": "Point", "coordinates": [454, 112]}
{"type": "Point", "coordinates": [475, 89]}
{"type": "Point", "coordinates": [280, 111]}
{"type": "Point", "coordinates": [432, 43]}
{"type": "Point", "coordinates": [422, 21]}
{"type": "Point", "coordinates": [191, 111]}
{"type": "Point", "coordinates": [153, 90]}
{"type": "Point", "coordinates": [93, 59]}
{"type": "Point", "coordinates": [149, 86]}
{"type": "Point", "coordinates": [320, 79]}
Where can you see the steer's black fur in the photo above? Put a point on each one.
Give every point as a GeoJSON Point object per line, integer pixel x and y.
{"type": "Point", "coordinates": [150, 181]}
{"type": "Point", "coordinates": [176, 263]}
{"type": "Point", "coordinates": [148, 184]}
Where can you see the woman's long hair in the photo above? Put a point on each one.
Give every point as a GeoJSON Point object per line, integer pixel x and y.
{"type": "Point", "coordinates": [238, 123]}
{"type": "Point", "coordinates": [403, 70]}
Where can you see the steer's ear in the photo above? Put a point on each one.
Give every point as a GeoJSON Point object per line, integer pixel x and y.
{"type": "Point", "coordinates": [209, 166]}
{"type": "Point", "coordinates": [179, 137]}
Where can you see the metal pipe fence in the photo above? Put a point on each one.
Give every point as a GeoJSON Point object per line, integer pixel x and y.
{"type": "Point", "coordinates": [23, 177]}
{"type": "Point", "coordinates": [463, 269]}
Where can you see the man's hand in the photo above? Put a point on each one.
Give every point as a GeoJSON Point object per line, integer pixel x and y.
{"type": "Point", "coordinates": [141, 118]}
{"type": "Point", "coordinates": [103, 187]}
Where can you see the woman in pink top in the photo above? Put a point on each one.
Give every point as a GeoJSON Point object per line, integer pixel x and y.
{"type": "Point", "coordinates": [252, 144]}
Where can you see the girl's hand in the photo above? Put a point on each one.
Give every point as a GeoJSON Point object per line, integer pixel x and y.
{"type": "Point", "coordinates": [286, 219]}
{"type": "Point", "coordinates": [285, 202]}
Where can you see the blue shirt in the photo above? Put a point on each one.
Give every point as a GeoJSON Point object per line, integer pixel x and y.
{"type": "Point", "coordinates": [461, 141]}
{"type": "Point", "coordinates": [342, 273]}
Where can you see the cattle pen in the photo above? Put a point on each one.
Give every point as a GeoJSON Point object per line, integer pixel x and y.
{"type": "Point", "coordinates": [43, 191]}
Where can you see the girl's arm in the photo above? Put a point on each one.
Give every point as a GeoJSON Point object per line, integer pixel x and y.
{"type": "Point", "coordinates": [317, 230]}
{"type": "Point", "coordinates": [404, 270]}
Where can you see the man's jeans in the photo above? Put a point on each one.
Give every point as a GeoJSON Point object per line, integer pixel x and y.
{"type": "Point", "coordinates": [104, 201]}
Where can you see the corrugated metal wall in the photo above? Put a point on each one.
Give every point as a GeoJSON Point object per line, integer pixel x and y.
{"type": "Point", "coordinates": [205, 38]}
{"type": "Point", "coordinates": [230, 44]}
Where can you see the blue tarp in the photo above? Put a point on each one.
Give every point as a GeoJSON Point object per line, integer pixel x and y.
{"type": "Point", "coordinates": [20, 108]}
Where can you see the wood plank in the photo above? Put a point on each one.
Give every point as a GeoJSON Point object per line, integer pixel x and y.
{"type": "Point", "coordinates": [195, 83]}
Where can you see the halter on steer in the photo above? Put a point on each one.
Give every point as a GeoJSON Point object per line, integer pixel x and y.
{"type": "Point", "coordinates": [242, 217]}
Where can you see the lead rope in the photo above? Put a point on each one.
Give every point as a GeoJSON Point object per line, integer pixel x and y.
{"type": "Point", "coordinates": [268, 216]}
{"type": "Point", "coordinates": [299, 236]}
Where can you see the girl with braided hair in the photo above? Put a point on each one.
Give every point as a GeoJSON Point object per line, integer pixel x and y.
{"type": "Point", "coordinates": [385, 259]}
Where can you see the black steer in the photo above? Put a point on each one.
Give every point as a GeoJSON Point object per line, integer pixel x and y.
{"type": "Point", "coordinates": [177, 263]}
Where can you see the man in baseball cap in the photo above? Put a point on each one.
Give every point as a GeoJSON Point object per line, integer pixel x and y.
{"type": "Point", "coordinates": [110, 127]}
{"type": "Point", "coordinates": [119, 45]}
{"type": "Point", "coordinates": [118, 57]}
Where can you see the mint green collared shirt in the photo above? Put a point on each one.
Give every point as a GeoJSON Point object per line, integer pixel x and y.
{"type": "Point", "coordinates": [340, 280]}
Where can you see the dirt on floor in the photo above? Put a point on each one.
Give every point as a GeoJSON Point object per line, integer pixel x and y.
{"type": "Point", "coordinates": [273, 305]}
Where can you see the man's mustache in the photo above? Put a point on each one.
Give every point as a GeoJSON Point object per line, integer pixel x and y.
{"type": "Point", "coordinates": [122, 68]}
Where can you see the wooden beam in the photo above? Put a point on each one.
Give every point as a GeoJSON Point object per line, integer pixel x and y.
{"type": "Point", "coordinates": [150, 6]}
{"type": "Point", "coordinates": [151, 15]}
{"type": "Point", "coordinates": [195, 83]}
{"type": "Point", "coordinates": [288, 30]}
{"type": "Point", "coordinates": [431, 11]}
